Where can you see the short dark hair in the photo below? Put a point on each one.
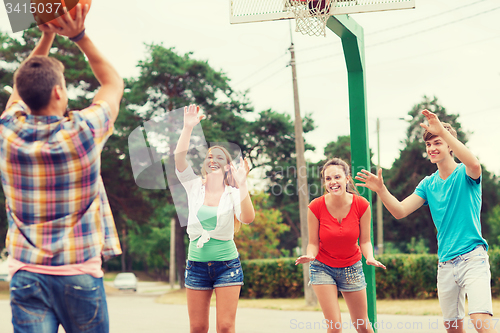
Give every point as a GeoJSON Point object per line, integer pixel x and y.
{"type": "Point", "coordinates": [35, 78]}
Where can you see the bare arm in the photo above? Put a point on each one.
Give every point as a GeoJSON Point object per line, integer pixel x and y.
{"type": "Point", "coordinates": [191, 119]}
{"type": "Point", "coordinates": [247, 210]}
{"type": "Point", "coordinates": [41, 49]}
{"type": "Point", "coordinates": [313, 245]}
{"type": "Point", "coordinates": [365, 242]}
{"type": "Point", "coordinates": [398, 209]}
{"type": "Point", "coordinates": [240, 175]}
{"type": "Point", "coordinates": [472, 165]}
{"type": "Point", "coordinates": [111, 89]}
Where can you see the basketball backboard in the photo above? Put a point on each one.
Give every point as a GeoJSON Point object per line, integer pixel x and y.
{"type": "Point", "coordinates": [246, 11]}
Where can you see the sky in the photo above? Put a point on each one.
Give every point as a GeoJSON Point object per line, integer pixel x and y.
{"type": "Point", "coordinates": [443, 48]}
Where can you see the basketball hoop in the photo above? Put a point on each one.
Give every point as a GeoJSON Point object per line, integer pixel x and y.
{"type": "Point", "coordinates": [311, 15]}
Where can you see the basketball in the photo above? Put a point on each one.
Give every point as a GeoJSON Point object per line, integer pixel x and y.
{"type": "Point", "coordinates": [319, 7]}
{"type": "Point", "coordinates": [46, 9]}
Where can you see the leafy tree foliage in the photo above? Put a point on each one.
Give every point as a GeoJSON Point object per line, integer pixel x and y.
{"type": "Point", "coordinates": [261, 238]}
{"type": "Point", "coordinates": [272, 138]}
{"type": "Point", "coordinates": [340, 148]}
{"type": "Point", "coordinates": [493, 235]}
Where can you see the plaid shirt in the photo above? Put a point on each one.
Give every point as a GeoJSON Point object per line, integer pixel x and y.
{"type": "Point", "coordinates": [57, 208]}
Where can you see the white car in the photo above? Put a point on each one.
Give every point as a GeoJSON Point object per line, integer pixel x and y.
{"type": "Point", "coordinates": [125, 281]}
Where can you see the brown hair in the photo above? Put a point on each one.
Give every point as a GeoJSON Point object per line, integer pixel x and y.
{"type": "Point", "coordinates": [429, 136]}
{"type": "Point", "coordinates": [351, 188]}
{"type": "Point", "coordinates": [228, 177]}
{"type": "Point", "coordinates": [35, 78]}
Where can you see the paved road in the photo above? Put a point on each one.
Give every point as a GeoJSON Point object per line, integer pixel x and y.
{"type": "Point", "coordinates": [139, 313]}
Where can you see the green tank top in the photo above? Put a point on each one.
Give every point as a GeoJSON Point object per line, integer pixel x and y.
{"type": "Point", "coordinates": [214, 249]}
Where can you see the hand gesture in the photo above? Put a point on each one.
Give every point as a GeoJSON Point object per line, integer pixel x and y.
{"type": "Point", "coordinates": [69, 27]}
{"type": "Point", "coordinates": [240, 175]}
{"type": "Point", "coordinates": [435, 127]}
{"type": "Point", "coordinates": [374, 183]}
{"type": "Point", "coordinates": [375, 263]}
{"type": "Point", "coordinates": [192, 116]}
{"type": "Point", "coordinates": [304, 259]}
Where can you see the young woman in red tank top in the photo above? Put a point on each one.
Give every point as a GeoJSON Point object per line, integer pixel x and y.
{"type": "Point", "coordinates": [336, 221]}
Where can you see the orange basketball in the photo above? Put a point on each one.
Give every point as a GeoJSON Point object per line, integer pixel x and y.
{"type": "Point", "coordinates": [46, 9]}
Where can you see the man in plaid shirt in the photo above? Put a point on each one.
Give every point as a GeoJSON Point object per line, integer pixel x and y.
{"type": "Point", "coordinates": [60, 222]}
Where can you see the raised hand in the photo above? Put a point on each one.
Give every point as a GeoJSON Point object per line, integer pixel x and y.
{"type": "Point", "coordinates": [304, 259]}
{"type": "Point", "coordinates": [375, 263]}
{"type": "Point", "coordinates": [69, 27]}
{"type": "Point", "coordinates": [192, 116]}
{"type": "Point", "coordinates": [371, 181]}
{"type": "Point", "coordinates": [240, 175]}
{"type": "Point", "coordinates": [435, 126]}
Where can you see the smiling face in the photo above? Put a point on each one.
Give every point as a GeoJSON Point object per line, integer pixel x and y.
{"type": "Point", "coordinates": [335, 180]}
{"type": "Point", "coordinates": [437, 150]}
{"type": "Point", "coordinates": [215, 161]}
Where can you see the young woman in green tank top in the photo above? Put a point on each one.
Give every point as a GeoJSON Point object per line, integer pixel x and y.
{"type": "Point", "coordinates": [218, 202]}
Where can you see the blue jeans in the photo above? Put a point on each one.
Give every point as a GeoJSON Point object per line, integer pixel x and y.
{"type": "Point", "coordinates": [41, 302]}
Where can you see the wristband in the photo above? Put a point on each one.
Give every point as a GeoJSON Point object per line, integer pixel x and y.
{"type": "Point", "coordinates": [78, 37]}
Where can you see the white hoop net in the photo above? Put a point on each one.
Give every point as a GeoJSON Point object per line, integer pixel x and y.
{"type": "Point", "coordinates": [311, 15]}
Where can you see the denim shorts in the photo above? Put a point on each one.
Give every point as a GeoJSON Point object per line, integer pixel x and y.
{"type": "Point", "coordinates": [468, 274]}
{"type": "Point", "coordinates": [213, 274]}
{"type": "Point", "coordinates": [350, 278]}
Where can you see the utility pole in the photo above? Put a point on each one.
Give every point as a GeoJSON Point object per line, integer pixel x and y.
{"type": "Point", "coordinates": [171, 272]}
{"type": "Point", "coordinates": [303, 192]}
{"type": "Point", "coordinates": [380, 221]}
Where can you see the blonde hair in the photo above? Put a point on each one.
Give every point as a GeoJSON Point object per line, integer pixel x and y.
{"type": "Point", "coordinates": [228, 177]}
{"type": "Point", "coordinates": [351, 188]}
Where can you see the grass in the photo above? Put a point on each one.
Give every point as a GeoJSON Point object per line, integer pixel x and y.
{"type": "Point", "coordinates": [427, 307]}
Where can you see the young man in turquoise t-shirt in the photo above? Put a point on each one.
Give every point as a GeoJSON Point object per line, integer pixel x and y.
{"type": "Point", "coordinates": [453, 194]}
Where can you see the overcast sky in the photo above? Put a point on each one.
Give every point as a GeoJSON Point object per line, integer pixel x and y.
{"type": "Point", "coordinates": [444, 48]}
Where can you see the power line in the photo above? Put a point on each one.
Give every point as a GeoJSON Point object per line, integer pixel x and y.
{"type": "Point", "coordinates": [433, 28]}
{"type": "Point", "coordinates": [408, 35]}
{"type": "Point", "coordinates": [423, 19]}
{"type": "Point", "coordinates": [376, 44]}
{"type": "Point", "coordinates": [433, 52]}
{"type": "Point", "coordinates": [259, 70]}
{"type": "Point", "coordinates": [267, 77]}
{"type": "Point", "coordinates": [399, 25]}
{"type": "Point", "coordinates": [493, 108]}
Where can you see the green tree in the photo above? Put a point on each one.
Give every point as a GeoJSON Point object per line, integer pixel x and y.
{"type": "Point", "coordinates": [493, 222]}
{"type": "Point", "coordinates": [272, 149]}
{"type": "Point", "coordinates": [261, 238]}
{"type": "Point", "coordinates": [340, 148]}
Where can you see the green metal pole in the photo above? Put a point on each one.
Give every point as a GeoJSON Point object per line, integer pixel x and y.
{"type": "Point", "coordinates": [351, 34]}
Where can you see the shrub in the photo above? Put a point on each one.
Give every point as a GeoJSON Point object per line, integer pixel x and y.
{"type": "Point", "coordinates": [272, 278]}
{"type": "Point", "coordinates": [407, 276]}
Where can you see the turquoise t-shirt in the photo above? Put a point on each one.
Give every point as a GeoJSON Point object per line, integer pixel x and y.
{"type": "Point", "coordinates": [214, 249]}
{"type": "Point", "coordinates": [455, 205]}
